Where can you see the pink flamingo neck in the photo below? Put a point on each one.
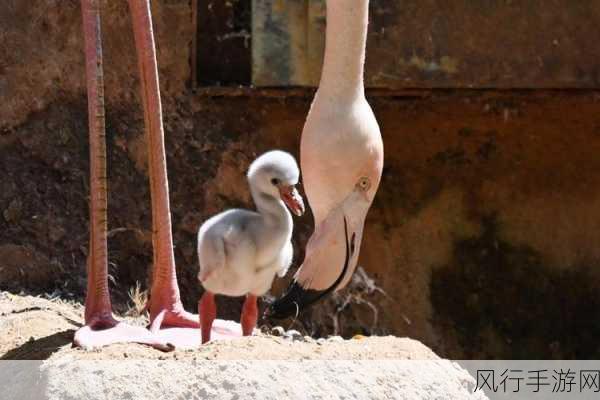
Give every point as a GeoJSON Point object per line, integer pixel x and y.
{"type": "Point", "coordinates": [346, 36]}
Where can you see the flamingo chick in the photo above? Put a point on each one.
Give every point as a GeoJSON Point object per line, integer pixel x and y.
{"type": "Point", "coordinates": [241, 251]}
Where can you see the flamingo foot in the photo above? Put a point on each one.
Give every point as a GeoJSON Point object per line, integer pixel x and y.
{"type": "Point", "coordinates": [166, 309]}
{"type": "Point", "coordinates": [190, 338]}
{"type": "Point", "coordinates": [177, 327]}
{"type": "Point", "coordinates": [173, 325]}
{"type": "Point", "coordinates": [187, 338]}
{"type": "Point", "coordinates": [103, 330]}
{"type": "Point", "coordinates": [174, 316]}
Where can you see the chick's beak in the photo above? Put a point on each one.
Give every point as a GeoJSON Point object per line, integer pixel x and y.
{"type": "Point", "coordinates": [292, 199]}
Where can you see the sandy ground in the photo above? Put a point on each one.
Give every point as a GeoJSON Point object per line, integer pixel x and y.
{"type": "Point", "coordinates": [262, 366]}
{"type": "Point", "coordinates": [37, 328]}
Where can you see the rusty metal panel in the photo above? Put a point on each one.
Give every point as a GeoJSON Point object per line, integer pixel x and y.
{"type": "Point", "coordinates": [484, 43]}
{"type": "Point", "coordinates": [316, 40]}
{"type": "Point", "coordinates": [279, 42]}
{"type": "Point", "coordinates": [222, 53]}
{"type": "Point", "coordinates": [439, 43]}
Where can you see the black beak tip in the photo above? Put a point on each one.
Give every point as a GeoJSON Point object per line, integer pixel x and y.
{"type": "Point", "coordinates": [277, 310]}
{"type": "Point", "coordinates": [298, 298]}
{"type": "Point", "coordinates": [268, 311]}
{"type": "Point", "coordinates": [293, 302]}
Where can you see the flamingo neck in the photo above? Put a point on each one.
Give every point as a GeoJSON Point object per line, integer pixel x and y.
{"type": "Point", "coordinates": [273, 211]}
{"type": "Point", "coordinates": [346, 38]}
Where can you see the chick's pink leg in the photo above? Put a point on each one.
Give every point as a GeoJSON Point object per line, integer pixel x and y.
{"type": "Point", "coordinates": [249, 315]}
{"type": "Point", "coordinates": [207, 310]}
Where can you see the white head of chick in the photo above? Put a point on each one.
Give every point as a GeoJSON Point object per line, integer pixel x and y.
{"type": "Point", "coordinates": [241, 251]}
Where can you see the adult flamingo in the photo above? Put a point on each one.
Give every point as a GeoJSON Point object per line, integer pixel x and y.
{"type": "Point", "coordinates": [165, 306]}
{"type": "Point", "coordinates": [341, 155]}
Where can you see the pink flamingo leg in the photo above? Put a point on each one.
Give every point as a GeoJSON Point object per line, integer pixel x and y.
{"type": "Point", "coordinates": [169, 321]}
{"type": "Point", "coordinates": [164, 305]}
{"type": "Point", "coordinates": [101, 328]}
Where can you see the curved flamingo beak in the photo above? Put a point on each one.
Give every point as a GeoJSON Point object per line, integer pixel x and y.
{"type": "Point", "coordinates": [330, 259]}
{"type": "Point", "coordinates": [292, 199]}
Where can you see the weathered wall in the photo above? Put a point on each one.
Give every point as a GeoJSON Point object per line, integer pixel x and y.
{"type": "Point", "coordinates": [484, 233]}
{"type": "Point", "coordinates": [439, 43]}
{"type": "Point", "coordinates": [41, 57]}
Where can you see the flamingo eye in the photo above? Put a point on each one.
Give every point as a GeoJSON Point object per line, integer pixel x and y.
{"type": "Point", "coordinates": [275, 181]}
{"type": "Point", "coordinates": [364, 183]}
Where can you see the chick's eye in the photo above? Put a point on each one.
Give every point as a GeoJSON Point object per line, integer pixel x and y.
{"type": "Point", "coordinates": [275, 181]}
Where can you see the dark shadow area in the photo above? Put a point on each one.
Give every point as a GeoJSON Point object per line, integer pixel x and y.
{"type": "Point", "coordinates": [502, 302]}
{"type": "Point", "coordinates": [223, 43]}
{"type": "Point", "coordinates": [40, 349]}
